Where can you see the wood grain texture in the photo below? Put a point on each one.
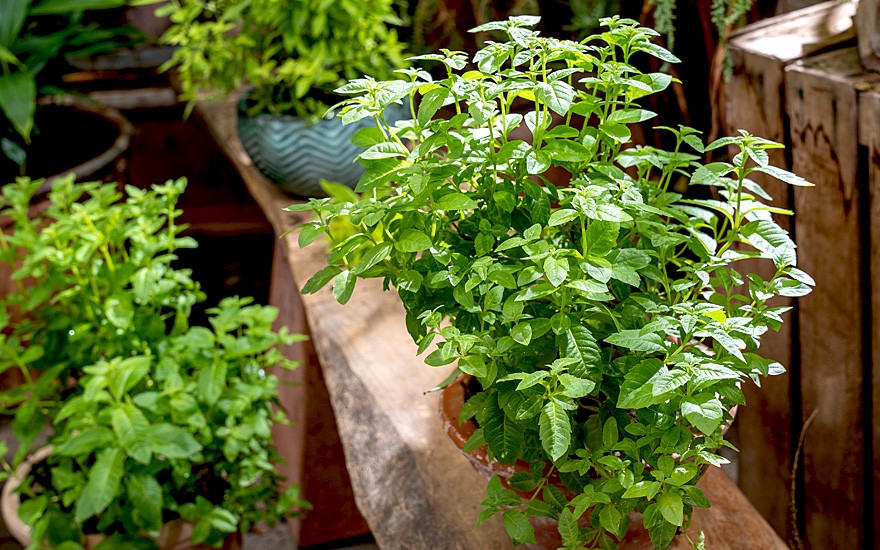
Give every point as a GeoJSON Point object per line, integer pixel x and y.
{"type": "Point", "coordinates": [869, 110]}
{"type": "Point", "coordinates": [411, 485]}
{"type": "Point", "coordinates": [868, 31]}
{"type": "Point", "coordinates": [755, 102]}
{"type": "Point", "coordinates": [822, 103]}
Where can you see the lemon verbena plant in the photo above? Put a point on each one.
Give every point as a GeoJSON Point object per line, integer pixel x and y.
{"type": "Point", "coordinates": [608, 319]}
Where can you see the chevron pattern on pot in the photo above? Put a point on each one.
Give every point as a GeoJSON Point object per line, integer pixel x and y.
{"type": "Point", "coordinates": [297, 156]}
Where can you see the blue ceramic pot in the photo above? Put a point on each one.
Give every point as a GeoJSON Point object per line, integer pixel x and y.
{"type": "Point", "coordinates": [297, 155]}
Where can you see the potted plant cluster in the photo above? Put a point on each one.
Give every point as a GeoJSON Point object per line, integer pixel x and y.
{"type": "Point", "coordinates": [153, 422]}
{"type": "Point", "coordinates": [293, 55]}
{"type": "Point", "coordinates": [36, 38]}
{"type": "Point", "coordinates": [602, 320]}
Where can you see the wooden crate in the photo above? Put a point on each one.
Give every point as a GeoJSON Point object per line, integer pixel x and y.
{"type": "Point", "coordinates": [797, 82]}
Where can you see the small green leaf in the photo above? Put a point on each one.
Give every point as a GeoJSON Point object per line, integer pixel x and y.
{"type": "Point", "coordinates": [146, 499]}
{"type": "Point", "coordinates": [456, 201]}
{"type": "Point", "coordinates": [671, 507]}
{"type": "Point", "coordinates": [343, 286]}
{"type": "Point", "coordinates": [554, 429]}
{"type": "Point", "coordinates": [412, 240]}
{"type": "Point", "coordinates": [704, 411]}
{"type": "Point", "coordinates": [173, 442]}
{"type": "Point", "coordinates": [320, 279]}
{"type": "Point", "coordinates": [558, 95]}
{"type": "Point", "coordinates": [103, 484]}
{"type": "Point", "coordinates": [518, 527]}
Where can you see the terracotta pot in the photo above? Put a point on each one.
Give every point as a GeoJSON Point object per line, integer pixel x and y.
{"type": "Point", "coordinates": [547, 536]}
{"type": "Point", "coordinates": [175, 535]}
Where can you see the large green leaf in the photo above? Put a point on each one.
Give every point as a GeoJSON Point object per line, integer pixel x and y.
{"type": "Point", "coordinates": [173, 441]}
{"type": "Point", "coordinates": [504, 435]}
{"type": "Point", "coordinates": [558, 95]}
{"type": "Point", "coordinates": [103, 484]}
{"type": "Point", "coordinates": [704, 411]}
{"type": "Point", "coordinates": [671, 507]}
{"type": "Point", "coordinates": [56, 7]}
{"type": "Point", "coordinates": [12, 14]}
{"type": "Point", "coordinates": [211, 382]}
{"type": "Point", "coordinates": [578, 342]}
{"type": "Point", "coordinates": [85, 442]}
{"type": "Point", "coordinates": [18, 101]}
{"type": "Point", "coordinates": [132, 430]}
{"type": "Point", "coordinates": [636, 390]}
{"type": "Point", "coordinates": [554, 429]}
{"type": "Point", "coordinates": [145, 494]}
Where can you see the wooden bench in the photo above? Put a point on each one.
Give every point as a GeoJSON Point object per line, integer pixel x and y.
{"type": "Point", "coordinates": [411, 485]}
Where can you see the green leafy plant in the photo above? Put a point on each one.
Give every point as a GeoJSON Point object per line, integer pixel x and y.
{"type": "Point", "coordinates": [293, 53]}
{"type": "Point", "coordinates": [605, 316]}
{"type": "Point", "coordinates": [35, 37]}
{"type": "Point", "coordinates": [152, 419]}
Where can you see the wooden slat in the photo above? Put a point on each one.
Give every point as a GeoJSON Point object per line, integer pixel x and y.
{"type": "Point", "coordinates": [756, 103]}
{"type": "Point", "coordinates": [822, 104]}
{"type": "Point", "coordinates": [869, 112]}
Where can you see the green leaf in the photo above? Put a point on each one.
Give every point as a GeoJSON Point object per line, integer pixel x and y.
{"type": "Point", "coordinates": [634, 340]}
{"type": "Point", "coordinates": [518, 527]}
{"type": "Point", "coordinates": [554, 429]}
{"type": "Point", "coordinates": [58, 7]}
{"type": "Point", "coordinates": [576, 387]}
{"type": "Point", "coordinates": [566, 151]}
{"type": "Point", "coordinates": [504, 435]}
{"type": "Point", "coordinates": [671, 507]}
{"type": "Point", "coordinates": [635, 392]}
{"type": "Point", "coordinates": [132, 429]}
{"type": "Point", "coordinates": [629, 116]}
{"type": "Point", "coordinates": [127, 374]}
{"type": "Point", "coordinates": [309, 233]}
{"type": "Point", "coordinates": [12, 15]}
{"type": "Point", "coordinates": [343, 286]}
{"type": "Point", "coordinates": [373, 256]}
{"type": "Point", "coordinates": [704, 411]}
{"type": "Point", "coordinates": [456, 201]}
{"type": "Point", "coordinates": [561, 217]}
{"type": "Point", "coordinates": [556, 270]}
{"type": "Point", "coordinates": [642, 489]}
{"type": "Point", "coordinates": [119, 311]}
{"type": "Point", "coordinates": [379, 172]}
{"type": "Point", "coordinates": [211, 382]}
{"type": "Point", "coordinates": [617, 132]}
{"type": "Point", "coordinates": [784, 175]}
{"type": "Point", "coordinates": [145, 495]}
{"type": "Point", "coordinates": [85, 442]}
{"type": "Point", "coordinates": [578, 343]}
{"type": "Point", "coordinates": [18, 101]}
{"type": "Point", "coordinates": [610, 518]}
{"type": "Point", "coordinates": [609, 432]}
{"type": "Point", "coordinates": [412, 240]}
{"type": "Point", "coordinates": [317, 281]}
{"type": "Point", "coordinates": [103, 484]}
{"type": "Point", "coordinates": [173, 442]}
{"type": "Point", "coordinates": [431, 103]}
{"type": "Point", "coordinates": [569, 529]}
{"type": "Point", "coordinates": [669, 380]}
{"type": "Point", "coordinates": [558, 95]}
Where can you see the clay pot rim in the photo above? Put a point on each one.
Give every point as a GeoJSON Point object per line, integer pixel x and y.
{"type": "Point", "coordinates": [91, 166]}
{"type": "Point", "coordinates": [10, 501]}
{"type": "Point", "coordinates": [450, 403]}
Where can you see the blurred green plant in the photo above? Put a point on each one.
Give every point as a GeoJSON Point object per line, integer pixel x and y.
{"type": "Point", "coordinates": [35, 38]}
{"type": "Point", "coordinates": [294, 53]}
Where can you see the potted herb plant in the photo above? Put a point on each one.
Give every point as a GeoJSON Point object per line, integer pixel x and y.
{"type": "Point", "coordinates": [603, 321]}
{"type": "Point", "coordinates": [36, 37]}
{"type": "Point", "coordinates": [153, 422]}
{"type": "Point", "coordinates": [293, 55]}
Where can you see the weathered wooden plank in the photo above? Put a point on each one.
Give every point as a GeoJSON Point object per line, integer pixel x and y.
{"type": "Point", "coordinates": [822, 103]}
{"type": "Point", "coordinates": [868, 31]}
{"type": "Point", "coordinates": [869, 114]}
{"type": "Point", "coordinates": [756, 103]}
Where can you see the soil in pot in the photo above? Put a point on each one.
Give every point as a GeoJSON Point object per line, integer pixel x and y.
{"type": "Point", "coordinates": [74, 136]}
